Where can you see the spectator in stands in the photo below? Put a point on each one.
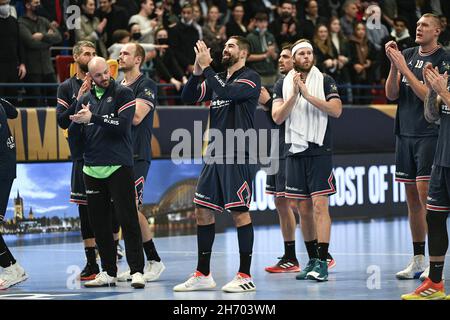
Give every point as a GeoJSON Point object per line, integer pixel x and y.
{"type": "Point", "coordinates": [38, 35]}
{"type": "Point", "coordinates": [135, 31]}
{"type": "Point", "coordinates": [253, 7]}
{"type": "Point", "coordinates": [199, 18]}
{"type": "Point", "coordinates": [389, 10]}
{"type": "Point", "coordinates": [362, 59]}
{"type": "Point", "coordinates": [377, 33]}
{"type": "Point", "coordinates": [312, 19]}
{"type": "Point", "coordinates": [119, 37]}
{"type": "Point", "coordinates": [444, 37]}
{"type": "Point", "coordinates": [285, 26]}
{"type": "Point", "coordinates": [324, 51]}
{"type": "Point", "coordinates": [131, 7]}
{"type": "Point", "coordinates": [349, 18]}
{"type": "Point", "coordinates": [340, 42]}
{"type": "Point", "coordinates": [215, 37]}
{"type": "Point", "coordinates": [236, 25]}
{"type": "Point", "coordinates": [182, 39]}
{"type": "Point", "coordinates": [147, 25]}
{"type": "Point", "coordinates": [408, 10]}
{"type": "Point", "coordinates": [167, 68]}
{"type": "Point", "coordinates": [53, 10]}
{"type": "Point", "coordinates": [12, 56]}
{"type": "Point", "coordinates": [263, 50]}
{"type": "Point", "coordinates": [116, 17]}
{"type": "Point", "coordinates": [401, 35]}
{"type": "Point", "coordinates": [92, 29]}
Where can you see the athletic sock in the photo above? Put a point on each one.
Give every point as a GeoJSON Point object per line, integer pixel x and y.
{"type": "Point", "coordinates": [205, 240]}
{"type": "Point", "coordinates": [322, 248]}
{"type": "Point", "coordinates": [150, 251]}
{"type": "Point", "coordinates": [245, 239]}
{"type": "Point", "coordinates": [289, 250]}
{"type": "Point", "coordinates": [311, 248]}
{"type": "Point", "coordinates": [436, 269]}
{"type": "Point", "coordinates": [91, 255]}
{"type": "Point", "coordinates": [419, 248]}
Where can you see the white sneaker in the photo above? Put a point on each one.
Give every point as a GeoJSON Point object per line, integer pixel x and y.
{"type": "Point", "coordinates": [426, 274]}
{"type": "Point", "coordinates": [240, 283]}
{"type": "Point", "coordinates": [414, 269]}
{"type": "Point", "coordinates": [153, 270]}
{"type": "Point", "coordinates": [12, 275]}
{"type": "Point", "coordinates": [101, 280]}
{"type": "Point", "coordinates": [137, 280]}
{"type": "Point", "coordinates": [197, 281]}
{"type": "Point", "coordinates": [124, 276]}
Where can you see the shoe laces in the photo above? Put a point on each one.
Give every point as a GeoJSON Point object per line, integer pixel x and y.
{"type": "Point", "coordinates": [195, 277]}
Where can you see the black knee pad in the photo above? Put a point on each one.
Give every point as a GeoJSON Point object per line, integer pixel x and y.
{"type": "Point", "coordinates": [437, 233]}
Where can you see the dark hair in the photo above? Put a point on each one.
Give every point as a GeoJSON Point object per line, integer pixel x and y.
{"type": "Point", "coordinates": [119, 35]}
{"type": "Point", "coordinates": [286, 1]}
{"type": "Point", "coordinates": [187, 6]}
{"type": "Point", "coordinates": [239, 4]}
{"type": "Point", "coordinates": [131, 26]}
{"type": "Point", "coordinates": [242, 43]}
{"type": "Point", "coordinates": [143, 2]}
{"type": "Point", "coordinates": [286, 46]}
{"type": "Point", "coordinates": [400, 19]}
{"type": "Point", "coordinates": [261, 16]}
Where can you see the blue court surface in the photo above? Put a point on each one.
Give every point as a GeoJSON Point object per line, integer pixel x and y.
{"type": "Point", "coordinates": [367, 253]}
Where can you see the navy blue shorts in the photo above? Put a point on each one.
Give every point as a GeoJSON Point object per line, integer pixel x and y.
{"type": "Point", "coordinates": [439, 190]}
{"type": "Point", "coordinates": [225, 186]}
{"type": "Point", "coordinates": [309, 176]}
{"type": "Point", "coordinates": [276, 183]}
{"type": "Point", "coordinates": [78, 190]}
{"type": "Point", "coordinates": [414, 158]}
{"type": "Point", "coordinates": [140, 169]}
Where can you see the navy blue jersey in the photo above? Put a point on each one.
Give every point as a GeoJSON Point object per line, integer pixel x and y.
{"type": "Point", "coordinates": [282, 149]}
{"type": "Point", "coordinates": [442, 155]}
{"type": "Point", "coordinates": [331, 92]}
{"type": "Point", "coordinates": [233, 106]}
{"type": "Point", "coordinates": [410, 120]}
{"type": "Point", "coordinates": [106, 140]}
{"type": "Point", "coordinates": [65, 106]}
{"type": "Point", "coordinates": [144, 90]}
{"type": "Point", "coordinates": [7, 143]}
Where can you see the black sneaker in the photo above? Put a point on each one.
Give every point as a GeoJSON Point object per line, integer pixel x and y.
{"type": "Point", "coordinates": [89, 272]}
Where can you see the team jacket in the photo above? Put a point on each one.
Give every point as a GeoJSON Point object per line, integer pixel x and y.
{"type": "Point", "coordinates": [7, 144]}
{"type": "Point", "coordinates": [107, 139]}
{"type": "Point", "coordinates": [66, 104]}
{"type": "Point", "coordinates": [233, 105]}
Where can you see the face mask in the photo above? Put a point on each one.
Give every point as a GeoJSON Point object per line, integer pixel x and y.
{"type": "Point", "coordinates": [137, 35]}
{"type": "Point", "coordinates": [5, 11]}
{"type": "Point", "coordinates": [163, 41]}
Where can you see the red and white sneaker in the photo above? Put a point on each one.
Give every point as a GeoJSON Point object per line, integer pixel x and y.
{"type": "Point", "coordinates": [428, 290]}
{"type": "Point", "coordinates": [284, 266]}
{"type": "Point", "coordinates": [197, 281]}
{"type": "Point", "coordinates": [331, 262]}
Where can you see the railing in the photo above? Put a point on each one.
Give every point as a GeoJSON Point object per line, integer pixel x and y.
{"type": "Point", "coordinates": [167, 94]}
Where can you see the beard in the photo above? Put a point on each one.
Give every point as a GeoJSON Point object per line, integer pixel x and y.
{"type": "Point", "coordinates": [229, 61]}
{"type": "Point", "coordinates": [300, 68]}
{"type": "Point", "coordinates": [83, 67]}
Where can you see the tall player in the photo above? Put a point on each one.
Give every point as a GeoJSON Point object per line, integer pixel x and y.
{"type": "Point", "coordinates": [131, 59]}
{"type": "Point", "coordinates": [415, 137]}
{"type": "Point", "coordinates": [69, 92]}
{"type": "Point", "coordinates": [437, 104]}
{"type": "Point", "coordinates": [223, 184]}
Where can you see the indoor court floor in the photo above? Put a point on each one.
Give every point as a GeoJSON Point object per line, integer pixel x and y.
{"type": "Point", "coordinates": [367, 254]}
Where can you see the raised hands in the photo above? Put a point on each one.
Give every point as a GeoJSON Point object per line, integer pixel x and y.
{"type": "Point", "coordinates": [202, 55]}
{"type": "Point", "coordinates": [434, 80]}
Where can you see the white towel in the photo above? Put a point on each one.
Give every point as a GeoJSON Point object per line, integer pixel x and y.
{"type": "Point", "coordinates": [306, 123]}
